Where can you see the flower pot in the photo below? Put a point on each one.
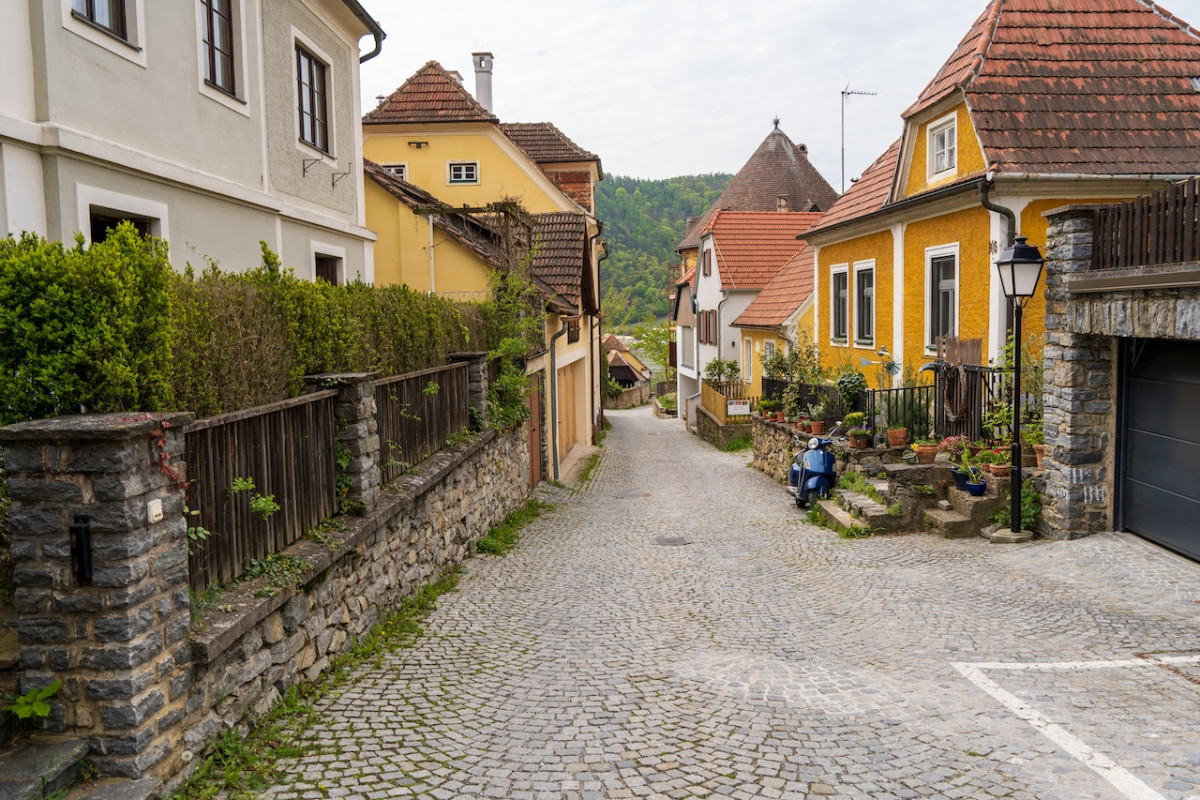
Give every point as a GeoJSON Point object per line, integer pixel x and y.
{"type": "Point", "coordinates": [860, 442]}
{"type": "Point", "coordinates": [1001, 470]}
{"type": "Point", "coordinates": [926, 453]}
{"type": "Point", "coordinates": [974, 450]}
{"type": "Point", "coordinates": [976, 489]}
{"type": "Point", "coordinates": [818, 426]}
{"type": "Point", "coordinates": [960, 477]}
{"type": "Point", "coordinates": [1039, 451]}
{"type": "Point", "coordinates": [898, 437]}
{"type": "Point", "coordinates": [909, 457]}
{"type": "Point", "coordinates": [780, 416]}
{"type": "Point", "coordinates": [806, 427]}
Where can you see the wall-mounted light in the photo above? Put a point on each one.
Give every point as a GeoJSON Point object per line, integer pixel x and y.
{"type": "Point", "coordinates": [418, 145]}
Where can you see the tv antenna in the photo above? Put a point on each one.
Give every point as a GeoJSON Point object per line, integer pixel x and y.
{"type": "Point", "coordinates": [848, 92]}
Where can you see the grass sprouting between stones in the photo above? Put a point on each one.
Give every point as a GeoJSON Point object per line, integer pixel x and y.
{"type": "Point", "coordinates": [504, 537]}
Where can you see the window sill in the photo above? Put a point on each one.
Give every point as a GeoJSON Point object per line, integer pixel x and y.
{"type": "Point", "coordinates": [227, 95]}
{"type": "Point", "coordinates": [868, 344]}
{"type": "Point", "coordinates": [839, 342]}
{"type": "Point", "coordinates": [109, 32]}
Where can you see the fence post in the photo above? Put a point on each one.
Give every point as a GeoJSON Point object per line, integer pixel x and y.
{"type": "Point", "coordinates": [477, 372]}
{"type": "Point", "coordinates": [101, 579]}
{"type": "Point", "coordinates": [357, 430]}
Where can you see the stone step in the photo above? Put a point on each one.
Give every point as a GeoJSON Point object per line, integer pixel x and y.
{"type": "Point", "coordinates": [34, 771]}
{"type": "Point", "coordinates": [882, 486]}
{"type": "Point", "coordinates": [145, 789]}
{"type": "Point", "coordinates": [838, 515]}
{"type": "Point", "coordinates": [951, 524]}
{"type": "Point", "coordinates": [868, 511]}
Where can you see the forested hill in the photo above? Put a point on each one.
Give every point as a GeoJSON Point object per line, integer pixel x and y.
{"type": "Point", "coordinates": [643, 221]}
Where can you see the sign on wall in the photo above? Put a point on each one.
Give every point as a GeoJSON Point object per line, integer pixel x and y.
{"type": "Point", "coordinates": [736, 408]}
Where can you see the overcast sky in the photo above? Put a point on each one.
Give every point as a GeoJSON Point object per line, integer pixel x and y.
{"type": "Point", "coordinates": [659, 88]}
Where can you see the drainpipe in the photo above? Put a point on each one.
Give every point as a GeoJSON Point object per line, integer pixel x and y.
{"type": "Point", "coordinates": [554, 399]}
{"type": "Point", "coordinates": [598, 358]}
{"type": "Point", "coordinates": [432, 283]}
{"type": "Point", "coordinates": [986, 186]}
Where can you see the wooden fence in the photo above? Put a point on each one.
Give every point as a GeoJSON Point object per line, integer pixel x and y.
{"type": "Point", "coordinates": [1163, 228]}
{"type": "Point", "coordinates": [715, 400]}
{"type": "Point", "coordinates": [417, 413]}
{"type": "Point", "coordinates": [287, 449]}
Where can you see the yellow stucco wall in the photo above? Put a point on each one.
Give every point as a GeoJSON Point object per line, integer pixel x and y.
{"type": "Point", "coordinates": [757, 338]}
{"type": "Point", "coordinates": [874, 246]}
{"type": "Point", "coordinates": [969, 156]}
{"type": "Point", "coordinates": [970, 229]}
{"type": "Point", "coordinates": [402, 250]}
{"type": "Point", "coordinates": [500, 173]}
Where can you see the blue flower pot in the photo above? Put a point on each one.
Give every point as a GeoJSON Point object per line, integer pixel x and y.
{"type": "Point", "coordinates": [977, 489]}
{"type": "Point", "coordinates": [960, 477]}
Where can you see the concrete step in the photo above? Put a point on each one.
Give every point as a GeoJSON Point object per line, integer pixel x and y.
{"type": "Point", "coordinates": [33, 771]}
{"type": "Point", "coordinates": [951, 524]}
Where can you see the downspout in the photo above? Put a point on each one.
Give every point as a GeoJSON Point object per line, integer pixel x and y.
{"type": "Point", "coordinates": [373, 26]}
{"type": "Point", "coordinates": [985, 186]}
{"type": "Point", "coordinates": [432, 280]}
{"type": "Point", "coordinates": [597, 357]}
{"type": "Point", "coordinates": [554, 400]}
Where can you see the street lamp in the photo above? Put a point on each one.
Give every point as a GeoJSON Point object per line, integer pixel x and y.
{"type": "Point", "coordinates": [1020, 268]}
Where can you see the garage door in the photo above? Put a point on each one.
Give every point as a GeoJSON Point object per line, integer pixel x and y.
{"type": "Point", "coordinates": [1161, 476]}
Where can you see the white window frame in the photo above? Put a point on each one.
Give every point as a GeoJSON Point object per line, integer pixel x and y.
{"type": "Point", "coordinates": [89, 197]}
{"type": "Point", "coordinates": [834, 272]}
{"type": "Point", "coordinates": [748, 359]}
{"type": "Point", "coordinates": [323, 249]}
{"type": "Point", "coordinates": [330, 158]}
{"type": "Point", "coordinates": [945, 125]}
{"type": "Point", "coordinates": [932, 253]}
{"type": "Point", "coordinates": [861, 267]}
{"type": "Point", "coordinates": [399, 170]}
{"type": "Point", "coordinates": [452, 181]}
{"type": "Point", "coordinates": [131, 48]}
{"type": "Point", "coordinates": [237, 100]}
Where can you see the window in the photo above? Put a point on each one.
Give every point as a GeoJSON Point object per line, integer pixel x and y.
{"type": "Point", "coordinates": [706, 262]}
{"type": "Point", "coordinates": [106, 14]}
{"type": "Point", "coordinates": [838, 304]}
{"type": "Point", "coordinates": [464, 172]}
{"type": "Point", "coordinates": [943, 146]}
{"type": "Point", "coordinates": [864, 303]}
{"type": "Point", "coordinates": [104, 220]}
{"type": "Point", "coordinates": [328, 269]}
{"type": "Point", "coordinates": [218, 44]}
{"type": "Point", "coordinates": [748, 361]}
{"type": "Point", "coordinates": [313, 99]}
{"type": "Point", "coordinates": [399, 170]}
{"type": "Point", "coordinates": [943, 295]}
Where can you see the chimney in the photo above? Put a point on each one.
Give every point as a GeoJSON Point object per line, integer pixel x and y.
{"type": "Point", "coordinates": [781, 203]}
{"type": "Point", "coordinates": [483, 79]}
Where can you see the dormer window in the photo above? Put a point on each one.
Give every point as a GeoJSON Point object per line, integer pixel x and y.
{"type": "Point", "coordinates": [943, 146]}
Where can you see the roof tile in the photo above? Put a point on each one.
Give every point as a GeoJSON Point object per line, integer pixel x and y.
{"type": "Point", "coordinates": [545, 143]}
{"type": "Point", "coordinates": [783, 294]}
{"type": "Point", "coordinates": [752, 246]}
{"type": "Point", "coordinates": [431, 95]}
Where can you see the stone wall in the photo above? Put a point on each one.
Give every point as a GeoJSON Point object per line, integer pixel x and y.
{"type": "Point", "coordinates": [773, 448]}
{"type": "Point", "coordinates": [710, 429]}
{"type": "Point", "coordinates": [628, 398]}
{"type": "Point", "coordinates": [145, 690]}
{"type": "Point", "coordinates": [1083, 332]}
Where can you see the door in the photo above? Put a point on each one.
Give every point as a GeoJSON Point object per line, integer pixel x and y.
{"type": "Point", "coordinates": [568, 414]}
{"type": "Point", "coordinates": [535, 429]}
{"type": "Point", "coordinates": [1160, 483]}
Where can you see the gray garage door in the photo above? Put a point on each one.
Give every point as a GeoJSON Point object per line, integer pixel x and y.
{"type": "Point", "coordinates": [1161, 478]}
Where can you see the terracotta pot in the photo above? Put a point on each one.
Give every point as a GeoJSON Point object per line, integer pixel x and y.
{"type": "Point", "coordinates": [1039, 450]}
{"type": "Point", "coordinates": [817, 425]}
{"type": "Point", "coordinates": [806, 427]}
{"type": "Point", "coordinates": [780, 416]}
{"type": "Point", "coordinates": [1001, 470]}
{"type": "Point", "coordinates": [926, 453]}
{"type": "Point", "coordinates": [860, 442]}
{"type": "Point", "coordinates": [974, 450]}
{"type": "Point", "coordinates": [897, 438]}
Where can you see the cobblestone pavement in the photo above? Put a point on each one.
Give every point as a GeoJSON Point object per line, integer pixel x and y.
{"type": "Point", "coordinates": [768, 658]}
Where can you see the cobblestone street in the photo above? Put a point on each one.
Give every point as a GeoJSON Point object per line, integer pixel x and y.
{"type": "Point", "coordinates": [765, 657]}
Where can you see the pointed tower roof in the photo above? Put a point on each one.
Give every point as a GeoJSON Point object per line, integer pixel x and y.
{"type": "Point", "coordinates": [779, 172]}
{"type": "Point", "coordinates": [1093, 87]}
{"type": "Point", "coordinates": [431, 95]}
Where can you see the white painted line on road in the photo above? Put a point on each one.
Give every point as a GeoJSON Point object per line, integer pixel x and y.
{"type": "Point", "coordinates": [1123, 780]}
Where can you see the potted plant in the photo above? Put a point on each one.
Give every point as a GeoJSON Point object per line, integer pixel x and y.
{"type": "Point", "coordinates": [897, 435]}
{"type": "Point", "coordinates": [816, 413]}
{"type": "Point", "coordinates": [855, 419]}
{"type": "Point", "coordinates": [860, 438]}
{"type": "Point", "coordinates": [926, 450]}
{"type": "Point", "coordinates": [953, 446]}
{"type": "Point", "coordinates": [769, 407]}
{"type": "Point", "coordinates": [971, 476]}
{"type": "Point", "coordinates": [1035, 437]}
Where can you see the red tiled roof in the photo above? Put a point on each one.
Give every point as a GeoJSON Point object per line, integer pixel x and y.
{"type": "Point", "coordinates": [560, 254]}
{"type": "Point", "coordinates": [1096, 87]}
{"type": "Point", "coordinates": [778, 167]}
{"type": "Point", "coordinates": [686, 280]}
{"type": "Point", "coordinates": [471, 232]}
{"type": "Point", "coordinates": [868, 194]}
{"type": "Point", "coordinates": [611, 342]}
{"type": "Point", "coordinates": [545, 143]}
{"type": "Point", "coordinates": [785, 293]}
{"type": "Point", "coordinates": [751, 246]}
{"type": "Point", "coordinates": [431, 95]}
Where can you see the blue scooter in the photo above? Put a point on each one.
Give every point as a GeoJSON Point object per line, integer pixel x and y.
{"type": "Point", "coordinates": [813, 472]}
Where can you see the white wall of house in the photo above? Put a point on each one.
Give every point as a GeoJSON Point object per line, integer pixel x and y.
{"type": "Point", "coordinates": [99, 124]}
{"type": "Point", "coordinates": [728, 304]}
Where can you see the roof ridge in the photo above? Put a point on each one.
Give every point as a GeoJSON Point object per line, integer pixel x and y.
{"type": "Point", "coordinates": [407, 103]}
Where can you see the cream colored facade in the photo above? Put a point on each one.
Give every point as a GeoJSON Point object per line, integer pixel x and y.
{"type": "Point", "coordinates": [96, 126]}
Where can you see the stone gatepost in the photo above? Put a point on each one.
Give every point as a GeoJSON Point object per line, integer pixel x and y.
{"type": "Point", "coordinates": [1080, 385]}
{"type": "Point", "coordinates": [101, 578]}
{"type": "Point", "coordinates": [477, 377]}
{"type": "Point", "coordinates": [358, 430]}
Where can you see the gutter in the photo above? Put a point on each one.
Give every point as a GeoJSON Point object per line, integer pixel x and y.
{"type": "Point", "coordinates": [372, 26]}
{"type": "Point", "coordinates": [1007, 213]}
{"type": "Point", "coordinates": [937, 194]}
{"type": "Point", "coordinates": [599, 368]}
{"type": "Point", "coordinates": [554, 399]}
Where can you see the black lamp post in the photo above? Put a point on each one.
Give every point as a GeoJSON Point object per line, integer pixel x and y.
{"type": "Point", "coordinates": [1020, 268]}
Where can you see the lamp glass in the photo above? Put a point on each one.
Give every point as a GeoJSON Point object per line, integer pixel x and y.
{"type": "Point", "coordinates": [1020, 269]}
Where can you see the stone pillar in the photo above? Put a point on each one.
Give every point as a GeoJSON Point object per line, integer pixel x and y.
{"type": "Point", "coordinates": [357, 431]}
{"type": "Point", "coordinates": [109, 488]}
{"type": "Point", "coordinates": [477, 370]}
{"type": "Point", "coordinates": [1080, 387]}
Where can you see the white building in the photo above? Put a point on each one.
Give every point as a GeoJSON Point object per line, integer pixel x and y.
{"type": "Point", "coordinates": [212, 124]}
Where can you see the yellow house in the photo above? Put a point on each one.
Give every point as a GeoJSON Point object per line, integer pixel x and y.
{"type": "Point", "coordinates": [1002, 134]}
{"type": "Point", "coordinates": [433, 134]}
{"type": "Point", "coordinates": [773, 320]}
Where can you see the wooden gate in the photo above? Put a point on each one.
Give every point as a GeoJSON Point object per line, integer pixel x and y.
{"type": "Point", "coordinates": [535, 429]}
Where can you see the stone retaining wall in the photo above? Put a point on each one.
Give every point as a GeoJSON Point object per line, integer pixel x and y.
{"type": "Point", "coordinates": [628, 398]}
